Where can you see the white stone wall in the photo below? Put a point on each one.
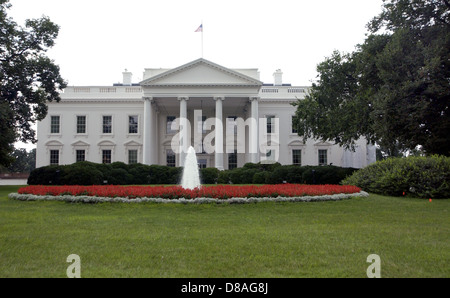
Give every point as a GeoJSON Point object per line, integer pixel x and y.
{"type": "Point", "coordinates": [13, 181]}
{"type": "Point", "coordinates": [199, 82]}
{"type": "Point", "coordinates": [68, 141]}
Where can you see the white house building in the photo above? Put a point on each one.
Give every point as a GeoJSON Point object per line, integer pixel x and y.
{"type": "Point", "coordinates": [228, 115]}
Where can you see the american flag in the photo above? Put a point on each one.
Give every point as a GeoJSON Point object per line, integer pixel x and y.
{"type": "Point", "coordinates": [200, 28]}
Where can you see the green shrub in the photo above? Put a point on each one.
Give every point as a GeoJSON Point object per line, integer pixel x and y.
{"type": "Point", "coordinates": [120, 176]}
{"type": "Point", "coordinates": [50, 175]}
{"type": "Point", "coordinates": [224, 177]}
{"type": "Point", "coordinates": [35, 176]}
{"type": "Point", "coordinates": [140, 173]}
{"type": "Point", "coordinates": [261, 177]}
{"type": "Point", "coordinates": [89, 173]}
{"type": "Point", "coordinates": [209, 175]}
{"type": "Point", "coordinates": [82, 173]}
{"type": "Point", "coordinates": [308, 174]}
{"type": "Point", "coordinates": [235, 175]}
{"type": "Point", "coordinates": [242, 175]}
{"type": "Point", "coordinates": [277, 176]}
{"type": "Point", "coordinates": [158, 174]}
{"type": "Point", "coordinates": [250, 165]}
{"type": "Point", "coordinates": [174, 175]}
{"type": "Point", "coordinates": [425, 177]}
{"type": "Point", "coordinates": [106, 170]}
{"type": "Point", "coordinates": [295, 174]}
{"type": "Point", "coordinates": [247, 176]}
{"type": "Point", "coordinates": [119, 165]}
{"type": "Point", "coordinates": [325, 174]}
{"type": "Point", "coordinates": [270, 166]}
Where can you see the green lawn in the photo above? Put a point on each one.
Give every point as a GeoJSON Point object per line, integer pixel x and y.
{"type": "Point", "coordinates": [320, 239]}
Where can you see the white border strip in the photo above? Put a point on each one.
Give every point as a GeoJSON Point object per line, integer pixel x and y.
{"type": "Point", "coordinates": [91, 199]}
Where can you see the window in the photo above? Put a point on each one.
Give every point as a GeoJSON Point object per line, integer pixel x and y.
{"type": "Point", "coordinates": [297, 157]}
{"type": "Point", "coordinates": [322, 157]}
{"type": "Point", "coordinates": [270, 124]}
{"type": "Point", "coordinates": [294, 128]}
{"type": "Point", "coordinates": [107, 124]}
{"type": "Point", "coordinates": [106, 156]}
{"type": "Point", "coordinates": [170, 120]}
{"type": "Point", "coordinates": [54, 124]}
{"type": "Point", "coordinates": [202, 163]}
{"type": "Point", "coordinates": [54, 157]}
{"type": "Point", "coordinates": [81, 124]}
{"type": "Point", "coordinates": [232, 160]}
{"type": "Point", "coordinates": [132, 156]}
{"type": "Point", "coordinates": [80, 155]}
{"type": "Point", "coordinates": [170, 158]}
{"type": "Point", "coordinates": [133, 124]}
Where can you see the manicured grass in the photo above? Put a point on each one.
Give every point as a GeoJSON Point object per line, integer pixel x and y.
{"type": "Point", "coordinates": [320, 239]}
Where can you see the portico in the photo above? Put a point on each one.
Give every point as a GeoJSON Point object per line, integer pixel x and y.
{"type": "Point", "coordinates": [199, 87]}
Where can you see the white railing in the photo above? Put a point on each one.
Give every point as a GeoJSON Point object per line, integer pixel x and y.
{"type": "Point", "coordinates": [296, 90]}
{"type": "Point", "coordinates": [93, 90]}
{"type": "Point", "coordinates": [283, 92]}
{"type": "Point", "coordinates": [120, 91]}
{"type": "Point", "coordinates": [269, 90]}
{"type": "Point", "coordinates": [81, 90]}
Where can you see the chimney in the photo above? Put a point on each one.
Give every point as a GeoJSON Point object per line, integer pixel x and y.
{"type": "Point", "coordinates": [278, 77]}
{"type": "Point", "coordinates": [127, 77]}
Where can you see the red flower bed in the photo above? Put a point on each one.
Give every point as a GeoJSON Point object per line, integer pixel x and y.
{"type": "Point", "coordinates": [176, 192]}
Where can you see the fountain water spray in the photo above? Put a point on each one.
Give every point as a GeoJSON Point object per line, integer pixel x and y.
{"type": "Point", "coordinates": [191, 175]}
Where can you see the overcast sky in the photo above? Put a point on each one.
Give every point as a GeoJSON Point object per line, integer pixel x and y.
{"type": "Point", "coordinates": [98, 39]}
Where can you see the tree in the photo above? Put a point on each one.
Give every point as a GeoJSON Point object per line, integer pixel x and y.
{"type": "Point", "coordinates": [28, 78]}
{"type": "Point", "coordinates": [24, 162]}
{"type": "Point", "coordinates": [393, 90]}
{"type": "Point", "coordinates": [7, 135]}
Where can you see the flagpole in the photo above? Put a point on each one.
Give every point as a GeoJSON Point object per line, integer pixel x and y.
{"type": "Point", "coordinates": [200, 29]}
{"type": "Point", "coordinates": [202, 38]}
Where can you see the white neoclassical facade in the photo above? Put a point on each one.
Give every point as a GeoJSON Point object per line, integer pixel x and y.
{"type": "Point", "coordinates": [228, 115]}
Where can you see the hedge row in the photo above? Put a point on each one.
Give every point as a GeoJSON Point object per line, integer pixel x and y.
{"type": "Point", "coordinates": [118, 173]}
{"type": "Point", "coordinates": [276, 174]}
{"type": "Point", "coordinates": [425, 177]}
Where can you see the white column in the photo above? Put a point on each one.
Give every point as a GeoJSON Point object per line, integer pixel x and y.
{"type": "Point", "coordinates": [148, 130]}
{"type": "Point", "coordinates": [155, 140]}
{"type": "Point", "coordinates": [219, 133]}
{"type": "Point", "coordinates": [184, 129]}
{"type": "Point", "coordinates": [253, 130]}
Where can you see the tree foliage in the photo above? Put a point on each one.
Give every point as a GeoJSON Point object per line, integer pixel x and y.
{"type": "Point", "coordinates": [393, 90]}
{"type": "Point", "coordinates": [28, 78]}
{"type": "Point", "coordinates": [24, 161]}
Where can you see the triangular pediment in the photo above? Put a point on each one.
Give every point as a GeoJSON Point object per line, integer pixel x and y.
{"type": "Point", "coordinates": [106, 143]}
{"type": "Point", "coordinates": [53, 143]}
{"type": "Point", "coordinates": [80, 143]}
{"type": "Point", "coordinates": [323, 143]}
{"type": "Point", "coordinates": [132, 143]}
{"type": "Point", "coordinates": [201, 72]}
{"type": "Point", "coordinates": [296, 143]}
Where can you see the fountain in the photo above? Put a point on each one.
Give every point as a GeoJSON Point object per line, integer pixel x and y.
{"type": "Point", "coordinates": [191, 176]}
